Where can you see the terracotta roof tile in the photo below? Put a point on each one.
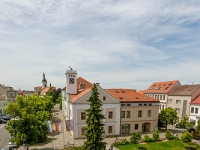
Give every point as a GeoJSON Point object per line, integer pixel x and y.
{"type": "Point", "coordinates": [45, 90]}
{"type": "Point", "coordinates": [184, 90]}
{"type": "Point", "coordinates": [74, 97]}
{"type": "Point", "coordinates": [86, 84]}
{"type": "Point", "coordinates": [130, 95]}
{"type": "Point", "coordinates": [196, 100]}
{"type": "Point", "coordinates": [161, 87]}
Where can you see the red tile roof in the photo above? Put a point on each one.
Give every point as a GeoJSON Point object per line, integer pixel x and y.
{"type": "Point", "coordinates": [161, 87]}
{"type": "Point", "coordinates": [85, 82]}
{"type": "Point", "coordinates": [196, 100]}
{"type": "Point", "coordinates": [74, 97]}
{"type": "Point", "coordinates": [130, 95]}
{"type": "Point", "coordinates": [45, 90]}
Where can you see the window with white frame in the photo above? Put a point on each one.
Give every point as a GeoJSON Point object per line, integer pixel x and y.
{"type": "Point", "coordinates": [82, 115]}
{"type": "Point", "coordinates": [110, 129]}
{"type": "Point", "coordinates": [177, 110]}
{"type": "Point", "coordinates": [196, 110]}
{"type": "Point", "coordinates": [192, 109]}
{"type": "Point", "coordinates": [110, 114]}
{"type": "Point", "coordinates": [178, 101]}
{"type": "Point", "coordinates": [122, 114]}
{"type": "Point", "coordinates": [169, 101]}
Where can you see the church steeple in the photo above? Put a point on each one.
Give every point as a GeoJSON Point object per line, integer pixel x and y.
{"type": "Point", "coordinates": [44, 82]}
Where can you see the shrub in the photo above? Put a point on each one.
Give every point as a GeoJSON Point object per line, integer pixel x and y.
{"type": "Point", "coordinates": [186, 137]}
{"type": "Point", "coordinates": [135, 137]}
{"type": "Point", "coordinates": [123, 142]}
{"type": "Point", "coordinates": [168, 135]}
{"type": "Point", "coordinates": [156, 135]}
{"type": "Point", "coordinates": [148, 139]}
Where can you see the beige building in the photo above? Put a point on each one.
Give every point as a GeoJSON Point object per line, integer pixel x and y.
{"type": "Point", "coordinates": [139, 113]}
{"type": "Point", "coordinates": [9, 92]}
{"type": "Point", "coordinates": [160, 91]}
{"type": "Point", "coordinates": [180, 98]}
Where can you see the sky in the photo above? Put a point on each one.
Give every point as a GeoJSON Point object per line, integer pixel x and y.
{"type": "Point", "coordinates": [119, 44]}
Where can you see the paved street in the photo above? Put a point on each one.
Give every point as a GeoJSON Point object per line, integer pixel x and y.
{"type": "Point", "coordinates": [4, 136]}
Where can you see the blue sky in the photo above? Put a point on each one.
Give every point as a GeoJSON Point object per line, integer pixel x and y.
{"type": "Point", "coordinates": [120, 44]}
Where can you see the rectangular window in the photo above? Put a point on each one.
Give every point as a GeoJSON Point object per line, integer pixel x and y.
{"type": "Point", "coordinates": [160, 97]}
{"type": "Point", "coordinates": [178, 101]}
{"type": "Point", "coordinates": [128, 114]}
{"type": "Point", "coordinates": [136, 126]}
{"type": "Point", "coordinates": [169, 101]}
{"type": "Point", "coordinates": [128, 104]}
{"type": "Point", "coordinates": [139, 113]}
{"type": "Point", "coordinates": [196, 110]}
{"type": "Point", "coordinates": [157, 97]}
{"type": "Point", "coordinates": [140, 104]}
{"type": "Point", "coordinates": [104, 98]}
{"type": "Point", "coordinates": [123, 104]}
{"type": "Point", "coordinates": [192, 109]}
{"type": "Point", "coordinates": [163, 97]}
{"type": "Point", "coordinates": [110, 114]}
{"type": "Point", "coordinates": [177, 110]}
{"type": "Point", "coordinates": [145, 104]}
{"type": "Point", "coordinates": [122, 114]}
{"type": "Point", "coordinates": [150, 104]}
{"type": "Point", "coordinates": [149, 113]}
{"type": "Point", "coordinates": [110, 129]}
{"type": "Point", "coordinates": [82, 115]}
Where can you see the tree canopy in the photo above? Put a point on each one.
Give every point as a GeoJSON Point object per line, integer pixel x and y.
{"type": "Point", "coordinates": [94, 123]}
{"type": "Point", "coordinates": [52, 93]}
{"type": "Point", "coordinates": [28, 118]}
{"type": "Point", "coordinates": [168, 115]}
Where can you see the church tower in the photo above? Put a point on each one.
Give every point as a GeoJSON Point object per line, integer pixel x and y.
{"type": "Point", "coordinates": [71, 85]}
{"type": "Point", "coordinates": [44, 82]}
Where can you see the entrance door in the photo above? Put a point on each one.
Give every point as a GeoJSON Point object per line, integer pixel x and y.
{"type": "Point", "coordinates": [125, 129]}
{"type": "Point", "coordinates": [146, 127]}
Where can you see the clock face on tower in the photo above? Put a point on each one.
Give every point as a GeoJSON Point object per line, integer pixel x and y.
{"type": "Point", "coordinates": [71, 80]}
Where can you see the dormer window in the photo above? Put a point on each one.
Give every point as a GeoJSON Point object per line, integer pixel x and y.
{"type": "Point", "coordinates": [82, 85]}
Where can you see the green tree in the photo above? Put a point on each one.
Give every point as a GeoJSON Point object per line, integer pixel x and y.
{"type": "Point", "coordinates": [185, 124]}
{"type": "Point", "coordinates": [197, 129]}
{"type": "Point", "coordinates": [52, 93]}
{"type": "Point", "coordinates": [28, 119]}
{"type": "Point", "coordinates": [94, 123]}
{"type": "Point", "coordinates": [60, 100]}
{"type": "Point", "coordinates": [168, 115]}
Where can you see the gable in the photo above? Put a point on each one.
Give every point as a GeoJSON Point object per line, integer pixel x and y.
{"type": "Point", "coordinates": [102, 93]}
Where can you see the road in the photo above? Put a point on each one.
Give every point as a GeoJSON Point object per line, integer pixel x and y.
{"type": "Point", "coordinates": [4, 136]}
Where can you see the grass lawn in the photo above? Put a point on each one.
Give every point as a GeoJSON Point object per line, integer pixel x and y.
{"type": "Point", "coordinates": [169, 145]}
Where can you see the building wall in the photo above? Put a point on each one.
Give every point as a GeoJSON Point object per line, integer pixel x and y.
{"type": "Point", "coordinates": [3, 104]}
{"type": "Point", "coordinates": [180, 105]}
{"type": "Point", "coordinates": [134, 119]}
{"type": "Point", "coordinates": [194, 116]}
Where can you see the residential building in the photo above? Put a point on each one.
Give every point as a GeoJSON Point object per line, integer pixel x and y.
{"type": "Point", "coordinates": [180, 98]}
{"type": "Point", "coordinates": [3, 103]}
{"type": "Point", "coordinates": [139, 113]}
{"type": "Point", "coordinates": [195, 110]}
{"type": "Point", "coordinates": [160, 91]}
{"type": "Point", "coordinates": [75, 96]}
{"type": "Point", "coordinates": [9, 92]}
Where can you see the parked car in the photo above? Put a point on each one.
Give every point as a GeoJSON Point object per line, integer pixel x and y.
{"type": "Point", "coordinates": [6, 118]}
{"type": "Point", "coordinates": [2, 121]}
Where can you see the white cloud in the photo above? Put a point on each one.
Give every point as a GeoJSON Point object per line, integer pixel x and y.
{"type": "Point", "coordinates": [117, 43]}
